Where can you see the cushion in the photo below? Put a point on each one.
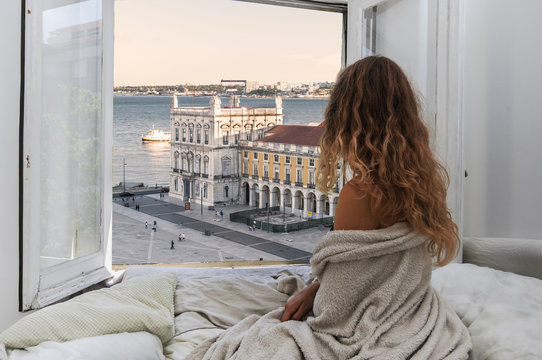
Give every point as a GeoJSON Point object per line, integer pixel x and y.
{"type": "Point", "coordinates": [143, 304]}
{"type": "Point", "coordinates": [124, 346]}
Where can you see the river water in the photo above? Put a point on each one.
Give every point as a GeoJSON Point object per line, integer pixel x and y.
{"type": "Point", "coordinates": [149, 162]}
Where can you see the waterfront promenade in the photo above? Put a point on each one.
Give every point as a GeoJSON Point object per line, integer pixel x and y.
{"type": "Point", "coordinates": [228, 241]}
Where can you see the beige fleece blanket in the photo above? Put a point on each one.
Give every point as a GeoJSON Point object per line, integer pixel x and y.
{"type": "Point", "coordinates": [375, 302]}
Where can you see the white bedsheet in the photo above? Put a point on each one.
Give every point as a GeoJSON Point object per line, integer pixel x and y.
{"type": "Point", "coordinates": [502, 310]}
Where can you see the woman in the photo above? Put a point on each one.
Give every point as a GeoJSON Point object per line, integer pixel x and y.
{"type": "Point", "coordinates": [374, 298]}
{"type": "Point", "coordinates": [373, 124]}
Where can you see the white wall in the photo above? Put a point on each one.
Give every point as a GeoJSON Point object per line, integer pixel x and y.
{"type": "Point", "coordinates": [503, 119]}
{"type": "Point", "coordinates": [9, 149]}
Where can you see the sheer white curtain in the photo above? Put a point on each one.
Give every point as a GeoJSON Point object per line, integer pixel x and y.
{"type": "Point", "coordinates": [70, 134]}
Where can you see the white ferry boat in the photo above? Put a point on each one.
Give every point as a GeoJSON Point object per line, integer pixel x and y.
{"type": "Point", "coordinates": [156, 135]}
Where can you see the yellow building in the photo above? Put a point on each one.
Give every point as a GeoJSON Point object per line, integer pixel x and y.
{"type": "Point", "coordinates": [280, 170]}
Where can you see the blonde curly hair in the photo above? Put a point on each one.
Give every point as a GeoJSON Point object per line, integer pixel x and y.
{"type": "Point", "coordinates": [373, 124]}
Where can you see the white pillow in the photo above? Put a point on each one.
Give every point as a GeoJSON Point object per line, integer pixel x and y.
{"type": "Point", "coordinates": [124, 346]}
{"type": "Point", "coordinates": [501, 310]}
{"type": "Point", "coordinates": [142, 304]}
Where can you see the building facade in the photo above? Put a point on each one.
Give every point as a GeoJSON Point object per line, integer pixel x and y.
{"type": "Point", "coordinates": [206, 147]}
{"type": "Point", "coordinates": [280, 170]}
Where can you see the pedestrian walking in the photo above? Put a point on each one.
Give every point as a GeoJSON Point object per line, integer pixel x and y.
{"type": "Point", "coordinates": [254, 225]}
{"type": "Point", "coordinates": [172, 245]}
{"type": "Point", "coordinates": [181, 237]}
{"type": "Point", "coordinates": [146, 224]}
{"type": "Point", "coordinates": [221, 214]}
{"type": "Point", "coordinates": [216, 215]}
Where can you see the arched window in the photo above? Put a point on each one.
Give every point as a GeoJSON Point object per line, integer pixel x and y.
{"type": "Point", "coordinates": [206, 165]}
{"type": "Point", "coordinates": [176, 161]}
{"type": "Point", "coordinates": [198, 165]}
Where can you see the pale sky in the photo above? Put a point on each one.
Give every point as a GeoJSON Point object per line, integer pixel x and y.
{"type": "Point", "coordinates": [168, 42]}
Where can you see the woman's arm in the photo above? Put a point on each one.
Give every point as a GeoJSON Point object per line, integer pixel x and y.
{"type": "Point", "coordinates": [300, 304]}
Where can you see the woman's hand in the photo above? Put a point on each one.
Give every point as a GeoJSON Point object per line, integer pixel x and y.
{"type": "Point", "coordinates": [300, 304]}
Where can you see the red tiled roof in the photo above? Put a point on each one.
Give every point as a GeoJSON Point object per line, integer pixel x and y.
{"type": "Point", "coordinates": [294, 134]}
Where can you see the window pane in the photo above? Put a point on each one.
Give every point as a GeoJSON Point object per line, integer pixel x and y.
{"type": "Point", "coordinates": [70, 132]}
{"type": "Point", "coordinates": [406, 42]}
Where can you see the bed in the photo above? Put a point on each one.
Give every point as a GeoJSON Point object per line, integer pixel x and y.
{"type": "Point", "coordinates": [165, 312]}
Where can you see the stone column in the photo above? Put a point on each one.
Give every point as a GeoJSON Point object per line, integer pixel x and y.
{"type": "Point", "coordinates": [332, 205]}
{"type": "Point", "coordinates": [192, 190]}
{"type": "Point", "coordinates": [252, 199]}
{"type": "Point", "coordinates": [262, 199]}
{"type": "Point", "coordinates": [272, 198]}
{"type": "Point", "coordinates": [306, 206]}
{"type": "Point", "coordinates": [319, 207]}
{"type": "Point", "coordinates": [282, 202]}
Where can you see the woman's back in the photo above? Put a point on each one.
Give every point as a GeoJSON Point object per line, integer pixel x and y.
{"type": "Point", "coordinates": [354, 211]}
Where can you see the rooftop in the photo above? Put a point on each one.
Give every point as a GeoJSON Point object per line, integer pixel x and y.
{"type": "Point", "coordinates": [294, 134]}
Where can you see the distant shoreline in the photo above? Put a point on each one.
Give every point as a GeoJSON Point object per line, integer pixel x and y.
{"type": "Point", "coordinates": [243, 96]}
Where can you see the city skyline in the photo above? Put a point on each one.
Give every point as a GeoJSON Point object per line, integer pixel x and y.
{"type": "Point", "coordinates": [169, 42]}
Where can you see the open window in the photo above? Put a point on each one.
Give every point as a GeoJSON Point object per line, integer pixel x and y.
{"type": "Point", "coordinates": [67, 142]}
{"type": "Point", "coordinates": [66, 238]}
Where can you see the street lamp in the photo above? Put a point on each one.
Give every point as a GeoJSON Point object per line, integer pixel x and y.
{"type": "Point", "coordinates": [124, 174]}
{"type": "Point", "coordinates": [267, 206]}
{"type": "Point", "coordinates": [201, 197]}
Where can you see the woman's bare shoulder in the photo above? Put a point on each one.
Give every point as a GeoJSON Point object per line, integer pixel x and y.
{"type": "Point", "coordinates": [354, 209]}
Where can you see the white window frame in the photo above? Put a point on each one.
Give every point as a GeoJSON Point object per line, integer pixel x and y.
{"type": "Point", "coordinates": [40, 287]}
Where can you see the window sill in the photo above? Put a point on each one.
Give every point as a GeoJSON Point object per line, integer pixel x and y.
{"type": "Point", "coordinates": [67, 288]}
